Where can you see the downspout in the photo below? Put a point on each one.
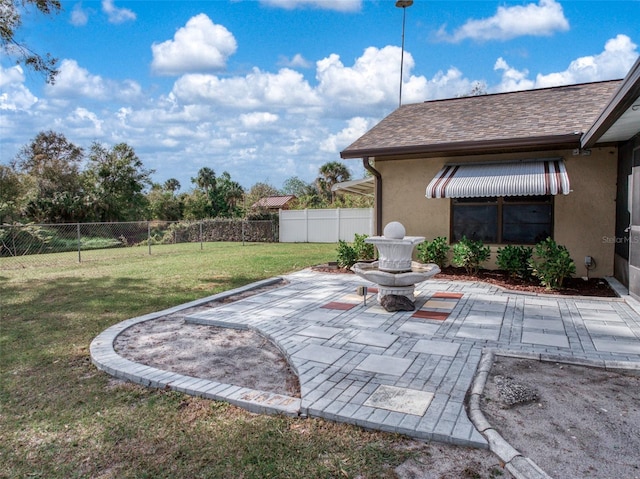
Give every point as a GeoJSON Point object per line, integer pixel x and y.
{"type": "Point", "coordinates": [378, 193]}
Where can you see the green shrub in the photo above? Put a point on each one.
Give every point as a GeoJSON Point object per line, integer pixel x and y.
{"type": "Point", "coordinates": [363, 250]}
{"type": "Point", "coordinates": [470, 254]}
{"type": "Point", "coordinates": [551, 264]}
{"type": "Point", "coordinates": [435, 251]}
{"type": "Point", "coordinates": [347, 255]}
{"type": "Point", "coordinates": [515, 260]}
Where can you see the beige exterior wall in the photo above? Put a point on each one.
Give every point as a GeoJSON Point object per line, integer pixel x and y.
{"type": "Point", "coordinates": [583, 219]}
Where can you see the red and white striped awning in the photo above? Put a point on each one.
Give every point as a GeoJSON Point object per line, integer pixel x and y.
{"type": "Point", "coordinates": [522, 178]}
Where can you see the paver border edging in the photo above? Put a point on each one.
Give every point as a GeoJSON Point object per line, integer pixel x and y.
{"type": "Point", "coordinates": [105, 358]}
{"type": "Point", "coordinates": [519, 466]}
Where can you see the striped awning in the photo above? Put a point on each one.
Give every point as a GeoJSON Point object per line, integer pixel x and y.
{"type": "Point", "coordinates": [522, 178]}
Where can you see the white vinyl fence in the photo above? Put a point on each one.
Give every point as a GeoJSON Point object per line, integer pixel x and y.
{"type": "Point", "coordinates": [324, 226]}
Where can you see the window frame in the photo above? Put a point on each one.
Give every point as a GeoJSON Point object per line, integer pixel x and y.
{"type": "Point", "coordinates": [499, 204]}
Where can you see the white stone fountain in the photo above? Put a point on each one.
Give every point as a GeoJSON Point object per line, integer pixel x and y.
{"type": "Point", "coordinates": [394, 272]}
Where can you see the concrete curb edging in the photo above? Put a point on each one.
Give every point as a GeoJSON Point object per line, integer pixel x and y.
{"type": "Point", "coordinates": [105, 358]}
{"type": "Point", "coordinates": [519, 466]}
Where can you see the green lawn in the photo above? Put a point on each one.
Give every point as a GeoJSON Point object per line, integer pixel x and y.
{"type": "Point", "coordinates": [60, 417]}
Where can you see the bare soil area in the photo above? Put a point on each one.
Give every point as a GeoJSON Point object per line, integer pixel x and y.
{"type": "Point", "coordinates": [583, 423]}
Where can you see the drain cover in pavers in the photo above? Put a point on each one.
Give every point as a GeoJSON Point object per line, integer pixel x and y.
{"type": "Point", "coordinates": [406, 401]}
{"type": "Point", "coordinates": [321, 354]}
{"type": "Point", "coordinates": [375, 363]}
{"type": "Point", "coordinates": [322, 332]}
{"type": "Point", "coordinates": [371, 338]}
{"type": "Point", "coordinates": [440, 348]}
{"type": "Point", "coordinates": [339, 306]}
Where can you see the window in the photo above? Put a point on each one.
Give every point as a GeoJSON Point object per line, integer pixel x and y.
{"type": "Point", "coordinates": [499, 220]}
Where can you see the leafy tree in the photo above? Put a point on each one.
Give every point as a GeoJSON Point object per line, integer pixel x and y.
{"type": "Point", "coordinates": [53, 163]}
{"type": "Point", "coordinates": [197, 205]}
{"type": "Point", "coordinates": [228, 195]}
{"type": "Point", "coordinates": [329, 174]}
{"type": "Point", "coordinates": [164, 204]}
{"type": "Point", "coordinates": [117, 179]}
{"type": "Point", "coordinates": [297, 187]}
{"type": "Point", "coordinates": [14, 189]}
{"type": "Point", "coordinates": [171, 185]}
{"type": "Point", "coordinates": [11, 12]}
{"type": "Point", "coordinates": [206, 179]}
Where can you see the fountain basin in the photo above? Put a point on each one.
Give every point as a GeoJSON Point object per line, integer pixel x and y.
{"type": "Point", "coordinates": [395, 254]}
{"type": "Point", "coordinates": [402, 284]}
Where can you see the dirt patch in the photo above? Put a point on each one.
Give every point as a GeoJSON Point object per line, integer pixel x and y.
{"type": "Point", "coordinates": [230, 356]}
{"type": "Point", "coordinates": [580, 422]}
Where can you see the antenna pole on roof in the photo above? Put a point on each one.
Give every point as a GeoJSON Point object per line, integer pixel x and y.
{"type": "Point", "coordinates": [402, 4]}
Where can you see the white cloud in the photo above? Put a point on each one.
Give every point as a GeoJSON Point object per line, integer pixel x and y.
{"type": "Point", "coordinates": [257, 119]}
{"type": "Point", "coordinates": [73, 81]}
{"type": "Point", "coordinates": [370, 83]}
{"type": "Point", "coordinates": [285, 89]}
{"type": "Point", "coordinates": [542, 19]}
{"type": "Point", "coordinates": [117, 15]}
{"type": "Point", "coordinates": [14, 95]}
{"type": "Point", "coordinates": [298, 61]}
{"type": "Point", "coordinates": [199, 46]}
{"type": "Point", "coordinates": [79, 15]}
{"type": "Point", "coordinates": [338, 5]}
{"type": "Point", "coordinates": [82, 123]}
{"type": "Point", "coordinates": [512, 79]}
{"type": "Point", "coordinates": [356, 127]}
{"type": "Point", "coordinates": [614, 62]}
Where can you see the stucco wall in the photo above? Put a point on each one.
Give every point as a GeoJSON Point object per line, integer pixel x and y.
{"type": "Point", "coordinates": [583, 220]}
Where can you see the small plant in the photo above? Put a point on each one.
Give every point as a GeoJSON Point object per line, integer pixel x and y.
{"type": "Point", "coordinates": [363, 250]}
{"type": "Point", "coordinates": [435, 251]}
{"type": "Point", "coordinates": [551, 264]}
{"type": "Point", "coordinates": [470, 254]}
{"type": "Point", "coordinates": [347, 255]}
{"type": "Point", "coordinates": [515, 261]}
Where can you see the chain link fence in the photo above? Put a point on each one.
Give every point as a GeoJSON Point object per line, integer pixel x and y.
{"type": "Point", "coordinates": [47, 244]}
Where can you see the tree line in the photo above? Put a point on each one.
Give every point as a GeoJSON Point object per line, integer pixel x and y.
{"type": "Point", "coordinates": [51, 180]}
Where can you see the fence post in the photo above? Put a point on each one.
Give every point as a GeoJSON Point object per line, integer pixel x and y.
{"type": "Point", "coordinates": [149, 235]}
{"type": "Point", "coordinates": [338, 223]}
{"type": "Point", "coordinates": [306, 225]}
{"type": "Point", "coordinates": [243, 221]}
{"type": "Point", "coordinates": [201, 247]}
{"type": "Point", "coordinates": [79, 243]}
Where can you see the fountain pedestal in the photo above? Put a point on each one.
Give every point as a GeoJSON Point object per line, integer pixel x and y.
{"type": "Point", "coordinates": [395, 273]}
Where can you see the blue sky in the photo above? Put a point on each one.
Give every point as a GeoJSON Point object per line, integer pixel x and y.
{"type": "Point", "coordinates": [271, 89]}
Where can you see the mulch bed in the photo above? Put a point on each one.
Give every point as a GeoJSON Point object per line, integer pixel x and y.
{"type": "Point", "coordinates": [572, 287]}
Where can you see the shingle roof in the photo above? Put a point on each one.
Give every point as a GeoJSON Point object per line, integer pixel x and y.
{"type": "Point", "coordinates": [516, 117]}
{"type": "Point", "coordinates": [273, 201]}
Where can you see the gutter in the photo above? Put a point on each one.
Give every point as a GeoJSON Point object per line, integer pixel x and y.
{"type": "Point", "coordinates": [377, 193]}
{"type": "Point", "coordinates": [458, 148]}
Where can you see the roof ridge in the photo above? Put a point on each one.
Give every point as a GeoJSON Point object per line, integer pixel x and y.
{"type": "Point", "coordinates": [516, 92]}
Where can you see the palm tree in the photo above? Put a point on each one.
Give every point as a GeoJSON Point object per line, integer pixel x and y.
{"type": "Point", "coordinates": [172, 185]}
{"type": "Point", "coordinates": [331, 173]}
{"type": "Point", "coordinates": [205, 180]}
